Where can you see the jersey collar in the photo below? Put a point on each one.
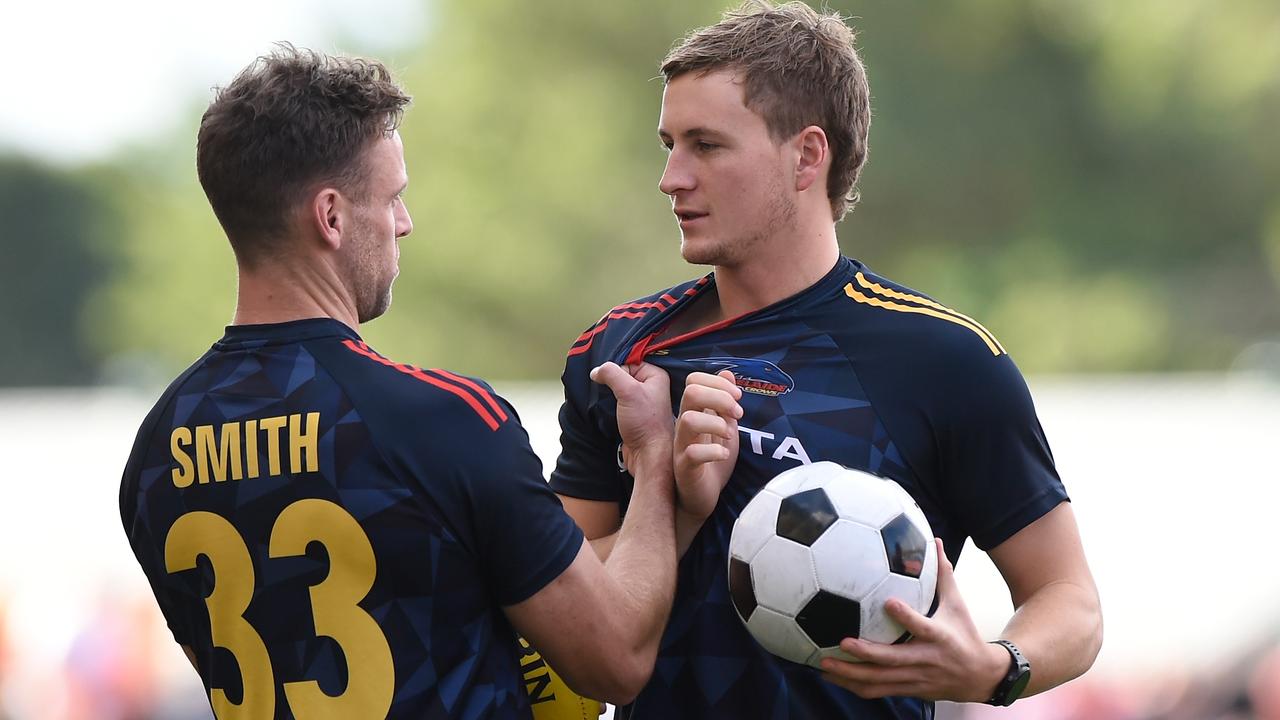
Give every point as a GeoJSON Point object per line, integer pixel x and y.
{"type": "Point", "coordinates": [239, 336]}
{"type": "Point", "coordinates": [642, 341]}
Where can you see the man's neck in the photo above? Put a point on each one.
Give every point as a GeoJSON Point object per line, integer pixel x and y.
{"type": "Point", "coordinates": [283, 292]}
{"type": "Point", "coordinates": [790, 267]}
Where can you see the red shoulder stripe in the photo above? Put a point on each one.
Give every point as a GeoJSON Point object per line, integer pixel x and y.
{"type": "Point", "coordinates": [579, 349]}
{"type": "Point", "coordinates": [479, 390]}
{"type": "Point", "coordinates": [590, 335]}
{"type": "Point", "coordinates": [363, 348]}
{"type": "Point", "coordinates": [627, 312]}
{"type": "Point", "coordinates": [641, 306]}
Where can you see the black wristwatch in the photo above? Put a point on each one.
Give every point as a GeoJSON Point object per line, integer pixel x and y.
{"type": "Point", "coordinates": [1015, 681]}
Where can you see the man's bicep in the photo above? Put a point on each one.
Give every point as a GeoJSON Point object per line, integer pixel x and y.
{"type": "Point", "coordinates": [1046, 551]}
{"type": "Point", "coordinates": [597, 518]}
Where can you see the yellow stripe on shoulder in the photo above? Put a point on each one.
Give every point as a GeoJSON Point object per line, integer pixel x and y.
{"type": "Point", "coordinates": [890, 292]}
{"type": "Point", "coordinates": [949, 316]}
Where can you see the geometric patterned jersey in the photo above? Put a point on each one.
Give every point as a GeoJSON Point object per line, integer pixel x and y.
{"type": "Point", "coordinates": [857, 370]}
{"type": "Point", "coordinates": [334, 534]}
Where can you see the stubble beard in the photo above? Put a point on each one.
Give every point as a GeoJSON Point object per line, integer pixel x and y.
{"type": "Point", "coordinates": [377, 308]}
{"type": "Point", "coordinates": [371, 287]}
{"type": "Point", "coordinates": [729, 252]}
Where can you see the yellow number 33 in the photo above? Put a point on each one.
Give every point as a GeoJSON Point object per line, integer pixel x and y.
{"type": "Point", "coordinates": [352, 567]}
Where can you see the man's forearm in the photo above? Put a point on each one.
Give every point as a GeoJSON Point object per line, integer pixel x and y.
{"type": "Point", "coordinates": [687, 528]}
{"type": "Point", "coordinates": [1059, 629]}
{"type": "Point", "coordinates": [642, 554]}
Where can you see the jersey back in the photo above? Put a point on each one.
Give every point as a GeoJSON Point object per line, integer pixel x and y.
{"type": "Point", "coordinates": [329, 531]}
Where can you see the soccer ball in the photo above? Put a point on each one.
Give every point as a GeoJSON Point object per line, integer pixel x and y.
{"type": "Point", "coordinates": [817, 552]}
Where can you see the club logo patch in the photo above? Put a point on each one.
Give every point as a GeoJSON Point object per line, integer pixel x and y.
{"type": "Point", "coordinates": [752, 375]}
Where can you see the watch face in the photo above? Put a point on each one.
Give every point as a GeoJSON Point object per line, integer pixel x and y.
{"type": "Point", "coordinates": [1015, 690]}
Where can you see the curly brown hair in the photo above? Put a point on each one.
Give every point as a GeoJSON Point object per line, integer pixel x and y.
{"type": "Point", "coordinates": [289, 122]}
{"type": "Point", "coordinates": [799, 68]}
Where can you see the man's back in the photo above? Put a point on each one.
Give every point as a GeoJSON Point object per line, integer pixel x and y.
{"type": "Point", "coordinates": [340, 530]}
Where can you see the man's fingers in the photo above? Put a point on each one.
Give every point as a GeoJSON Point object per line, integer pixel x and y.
{"type": "Point", "coordinates": [610, 374]}
{"type": "Point", "coordinates": [647, 373]}
{"type": "Point", "coordinates": [701, 397]}
{"type": "Point", "coordinates": [869, 673]}
{"type": "Point", "coordinates": [946, 573]}
{"type": "Point", "coordinates": [703, 453]}
{"type": "Point", "coordinates": [720, 381]}
{"type": "Point", "coordinates": [878, 654]}
{"type": "Point", "coordinates": [918, 625]}
{"type": "Point", "coordinates": [624, 381]}
{"type": "Point", "coordinates": [692, 424]}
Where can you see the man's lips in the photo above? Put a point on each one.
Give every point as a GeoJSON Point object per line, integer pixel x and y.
{"type": "Point", "coordinates": [686, 215]}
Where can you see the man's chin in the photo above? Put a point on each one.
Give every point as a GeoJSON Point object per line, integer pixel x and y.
{"type": "Point", "coordinates": [700, 252]}
{"type": "Point", "coordinates": [376, 311]}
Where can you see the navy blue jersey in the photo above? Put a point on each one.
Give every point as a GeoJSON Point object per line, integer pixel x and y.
{"type": "Point", "coordinates": [856, 370]}
{"type": "Point", "coordinates": [334, 533]}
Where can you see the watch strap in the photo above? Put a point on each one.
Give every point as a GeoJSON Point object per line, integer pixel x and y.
{"type": "Point", "coordinates": [1015, 680]}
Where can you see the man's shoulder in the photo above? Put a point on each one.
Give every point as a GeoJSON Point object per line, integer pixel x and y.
{"type": "Point", "coordinates": [917, 351]}
{"type": "Point", "coordinates": [430, 397]}
{"type": "Point", "coordinates": [899, 320]}
{"type": "Point", "coordinates": [603, 337]}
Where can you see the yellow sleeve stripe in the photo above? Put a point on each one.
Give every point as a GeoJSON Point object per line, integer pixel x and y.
{"type": "Point", "coordinates": [890, 292]}
{"type": "Point", "coordinates": [956, 318]}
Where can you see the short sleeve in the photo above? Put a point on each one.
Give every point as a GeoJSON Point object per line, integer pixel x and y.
{"type": "Point", "coordinates": [587, 467]}
{"type": "Point", "coordinates": [995, 466]}
{"type": "Point", "coordinates": [521, 534]}
{"type": "Point", "coordinates": [139, 488]}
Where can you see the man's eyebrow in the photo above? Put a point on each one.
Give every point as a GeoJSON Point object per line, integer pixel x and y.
{"type": "Point", "coordinates": [694, 132]}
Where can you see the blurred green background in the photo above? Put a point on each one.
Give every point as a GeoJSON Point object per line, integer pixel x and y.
{"type": "Point", "coordinates": [1098, 182]}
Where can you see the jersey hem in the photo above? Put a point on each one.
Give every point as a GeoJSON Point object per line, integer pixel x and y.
{"type": "Point", "coordinates": [559, 561]}
{"type": "Point", "coordinates": [1028, 512]}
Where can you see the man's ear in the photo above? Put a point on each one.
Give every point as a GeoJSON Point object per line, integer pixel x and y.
{"type": "Point", "coordinates": [814, 157]}
{"type": "Point", "coordinates": [326, 214]}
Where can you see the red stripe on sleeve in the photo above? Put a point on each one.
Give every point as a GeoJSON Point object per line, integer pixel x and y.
{"type": "Point", "coordinates": [641, 306]}
{"type": "Point", "coordinates": [362, 348]}
{"type": "Point", "coordinates": [484, 394]}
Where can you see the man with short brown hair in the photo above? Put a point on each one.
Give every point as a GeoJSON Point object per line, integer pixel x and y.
{"type": "Point", "coordinates": [801, 355]}
{"type": "Point", "coordinates": [331, 533]}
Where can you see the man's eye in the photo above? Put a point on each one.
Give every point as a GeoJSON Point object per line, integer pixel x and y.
{"type": "Point", "coordinates": [704, 146]}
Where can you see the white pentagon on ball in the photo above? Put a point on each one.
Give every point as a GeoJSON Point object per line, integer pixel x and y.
{"type": "Point", "coordinates": [757, 528]}
{"type": "Point", "coordinates": [780, 635]}
{"type": "Point", "coordinates": [787, 481]}
{"type": "Point", "coordinates": [791, 577]}
{"type": "Point", "coordinates": [815, 555]}
{"type": "Point", "coordinates": [850, 575]}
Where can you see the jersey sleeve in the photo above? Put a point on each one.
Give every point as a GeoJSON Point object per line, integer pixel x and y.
{"type": "Point", "coordinates": [463, 447]}
{"type": "Point", "coordinates": [143, 485]}
{"type": "Point", "coordinates": [996, 469]}
{"type": "Point", "coordinates": [519, 530]}
{"type": "Point", "coordinates": [587, 467]}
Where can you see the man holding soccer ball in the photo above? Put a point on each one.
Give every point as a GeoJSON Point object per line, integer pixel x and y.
{"type": "Point", "coordinates": [789, 353]}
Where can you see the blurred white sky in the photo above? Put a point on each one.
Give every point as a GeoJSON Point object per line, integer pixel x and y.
{"type": "Point", "coordinates": [84, 78]}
